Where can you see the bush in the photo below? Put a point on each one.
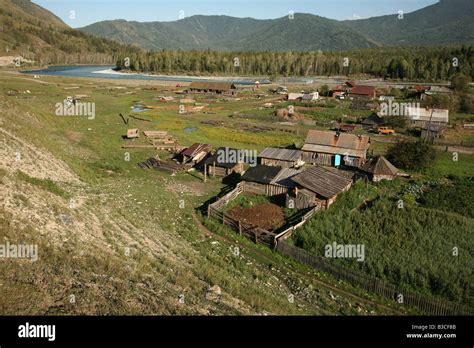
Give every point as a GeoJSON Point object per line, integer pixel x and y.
{"type": "Point", "coordinates": [412, 156]}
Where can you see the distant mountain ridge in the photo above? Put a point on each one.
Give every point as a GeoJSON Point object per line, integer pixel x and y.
{"type": "Point", "coordinates": [446, 22]}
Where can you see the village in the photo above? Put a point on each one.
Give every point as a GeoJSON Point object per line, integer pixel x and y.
{"type": "Point", "coordinates": [305, 178]}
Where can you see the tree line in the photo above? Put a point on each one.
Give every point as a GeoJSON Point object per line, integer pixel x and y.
{"type": "Point", "coordinates": [412, 63]}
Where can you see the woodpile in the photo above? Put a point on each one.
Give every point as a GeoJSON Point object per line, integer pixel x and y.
{"type": "Point", "coordinates": [168, 167]}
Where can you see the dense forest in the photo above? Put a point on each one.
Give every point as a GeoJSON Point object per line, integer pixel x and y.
{"type": "Point", "coordinates": [423, 63]}
{"type": "Point", "coordinates": [37, 35]}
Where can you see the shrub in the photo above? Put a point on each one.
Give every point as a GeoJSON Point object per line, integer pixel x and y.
{"type": "Point", "coordinates": [412, 156]}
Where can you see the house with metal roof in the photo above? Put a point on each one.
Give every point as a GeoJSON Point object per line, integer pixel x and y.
{"type": "Point", "coordinates": [286, 158]}
{"type": "Point", "coordinates": [334, 148]}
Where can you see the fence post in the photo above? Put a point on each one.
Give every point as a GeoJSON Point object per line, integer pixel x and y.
{"type": "Point", "coordinates": [240, 228]}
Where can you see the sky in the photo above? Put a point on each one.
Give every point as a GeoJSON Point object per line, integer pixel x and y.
{"type": "Point", "coordinates": [79, 13]}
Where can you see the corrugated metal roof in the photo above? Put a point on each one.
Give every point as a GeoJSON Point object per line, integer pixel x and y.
{"type": "Point", "coordinates": [324, 182]}
{"type": "Point", "coordinates": [281, 154]}
{"type": "Point", "coordinates": [380, 166]}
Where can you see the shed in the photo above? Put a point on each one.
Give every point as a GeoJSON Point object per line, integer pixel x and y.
{"type": "Point", "coordinates": [325, 184]}
{"type": "Point", "coordinates": [195, 153]}
{"type": "Point", "coordinates": [268, 180]}
{"type": "Point", "coordinates": [295, 96]}
{"type": "Point", "coordinates": [133, 133]}
{"type": "Point", "coordinates": [218, 167]}
{"type": "Point", "coordinates": [379, 168]}
{"type": "Point", "coordinates": [286, 158]}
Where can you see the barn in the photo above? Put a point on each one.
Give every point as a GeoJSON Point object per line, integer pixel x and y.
{"type": "Point", "coordinates": [334, 148]}
{"type": "Point", "coordinates": [268, 180]}
{"type": "Point", "coordinates": [217, 167]}
{"type": "Point", "coordinates": [285, 158]}
{"type": "Point", "coordinates": [320, 185]}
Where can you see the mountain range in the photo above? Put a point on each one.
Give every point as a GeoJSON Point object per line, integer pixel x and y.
{"type": "Point", "coordinates": [446, 22]}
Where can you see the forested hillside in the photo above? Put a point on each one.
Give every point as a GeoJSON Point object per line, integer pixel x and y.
{"type": "Point", "coordinates": [37, 35]}
{"type": "Point", "coordinates": [435, 63]}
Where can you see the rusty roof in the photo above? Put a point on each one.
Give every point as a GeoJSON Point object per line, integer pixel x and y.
{"type": "Point", "coordinates": [362, 90]}
{"type": "Point", "coordinates": [195, 149]}
{"type": "Point", "coordinates": [344, 140]}
{"type": "Point", "coordinates": [323, 181]}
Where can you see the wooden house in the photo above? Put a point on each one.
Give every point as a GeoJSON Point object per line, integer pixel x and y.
{"type": "Point", "coordinates": [422, 117]}
{"type": "Point", "coordinates": [224, 88]}
{"type": "Point", "coordinates": [379, 168]}
{"type": "Point", "coordinates": [215, 166]}
{"type": "Point", "coordinates": [432, 131]}
{"type": "Point", "coordinates": [268, 180]}
{"type": "Point", "coordinates": [285, 158]}
{"type": "Point", "coordinates": [195, 153]}
{"type": "Point", "coordinates": [365, 92]}
{"type": "Point", "coordinates": [320, 185]}
{"type": "Point", "coordinates": [334, 148]}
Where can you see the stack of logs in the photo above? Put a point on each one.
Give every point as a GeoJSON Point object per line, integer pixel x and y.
{"type": "Point", "coordinates": [153, 163]}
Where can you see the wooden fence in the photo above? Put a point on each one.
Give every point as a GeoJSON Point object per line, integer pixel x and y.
{"type": "Point", "coordinates": [290, 230]}
{"type": "Point", "coordinates": [257, 234]}
{"type": "Point", "coordinates": [374, 285]}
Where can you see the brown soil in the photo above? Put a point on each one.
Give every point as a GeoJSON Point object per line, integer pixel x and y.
{"type": "Point", "coordinates": [267, 216]}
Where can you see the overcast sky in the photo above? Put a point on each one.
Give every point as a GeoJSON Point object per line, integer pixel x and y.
{"type": "Point", "coordinates": [91, 11]}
